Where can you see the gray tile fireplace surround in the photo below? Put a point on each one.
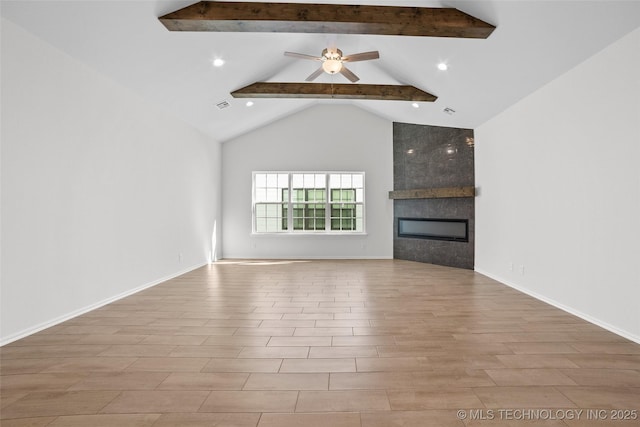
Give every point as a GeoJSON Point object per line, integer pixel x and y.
{"type": "Point", "coordinates": [426, 157]}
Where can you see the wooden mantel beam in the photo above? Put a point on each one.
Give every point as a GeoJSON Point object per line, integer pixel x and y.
{"type": "Point", "coordinates": [333, 91]}
{"type": "Point", "coordinates": [326, 18]}
{"type": "Point", "coordinates": [433, 193]}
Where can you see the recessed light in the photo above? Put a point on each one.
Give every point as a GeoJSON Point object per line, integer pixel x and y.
{"type": "Point", "coordinates": [218, 62]}
{"type": "Point", "coordinates": [443, 66]}
{"type": "Point", "coordinates": [415, 105]}
{"type": "Point", "coordinates": [249, 103]}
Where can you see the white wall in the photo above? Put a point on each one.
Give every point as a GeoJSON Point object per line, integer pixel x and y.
{"type": "Point", "coordinates": [101, 193]}
{"type": "Point", "coordinates": [321, 138]}
{"type": "Point", "coordinates": [559, 178]}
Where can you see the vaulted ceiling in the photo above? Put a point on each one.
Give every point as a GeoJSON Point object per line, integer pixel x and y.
{"type": "Point", "coordinates": [534, 42]}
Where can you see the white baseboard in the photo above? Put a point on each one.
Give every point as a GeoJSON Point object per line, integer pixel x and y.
{"type": "Point", "coordinates": [621, 332]}
{"type": "Point", "coordinates": [310, 258]}
{"type": "Point", "coordinates": [37, 328]}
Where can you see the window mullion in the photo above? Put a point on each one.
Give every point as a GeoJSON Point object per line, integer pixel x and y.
{"type": "Point", "coordinates": [327, 204]}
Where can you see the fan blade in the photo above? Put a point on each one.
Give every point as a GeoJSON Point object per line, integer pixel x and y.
{"type": "Point", "coordinates": [349, 74]}
{"type": "Point", "coordinates": [302, 56]}
{"type": "Point", "coordinates": [315, 74]}
{"type": "Point", "coordinates": [364, 56]}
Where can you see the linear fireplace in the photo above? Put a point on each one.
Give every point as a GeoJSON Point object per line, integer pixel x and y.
{"type": "Point", "coordinates": [456, 230]}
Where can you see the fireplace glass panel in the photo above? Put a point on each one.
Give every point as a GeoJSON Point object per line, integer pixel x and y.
{"type": "Point", "coordinates": [438, 229]}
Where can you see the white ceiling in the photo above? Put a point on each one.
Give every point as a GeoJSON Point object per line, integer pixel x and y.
{"type": "Point", "coordinates": [534, 42]}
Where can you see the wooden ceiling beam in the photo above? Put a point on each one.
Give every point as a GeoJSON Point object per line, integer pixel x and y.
{"type": "Point", "coordinates": [333, 91]}
{"type": "Point", "coordinates": [326, 18]}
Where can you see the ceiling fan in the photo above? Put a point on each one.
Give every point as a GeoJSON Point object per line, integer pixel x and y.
{"type": "Point", "coordinates": [333, 62]}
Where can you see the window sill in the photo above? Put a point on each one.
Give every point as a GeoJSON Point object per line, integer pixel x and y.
{"type": "Point", "coordinates": [319, 233]}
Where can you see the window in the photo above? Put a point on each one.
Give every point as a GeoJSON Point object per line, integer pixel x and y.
{"type": "Point", "coordinates": [308, 202]}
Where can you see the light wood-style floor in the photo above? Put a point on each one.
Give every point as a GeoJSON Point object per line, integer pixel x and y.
{"type": "Point", "coordinates": [322, 343]}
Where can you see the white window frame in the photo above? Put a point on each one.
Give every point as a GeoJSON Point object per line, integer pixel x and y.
{"type": "Point", "coordinates": [290, 203]}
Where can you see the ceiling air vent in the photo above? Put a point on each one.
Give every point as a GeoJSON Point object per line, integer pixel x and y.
{"type": "Point", "coordinates": [222, 105]}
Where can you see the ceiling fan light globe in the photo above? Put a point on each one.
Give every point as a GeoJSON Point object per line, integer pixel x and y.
{"type": "Point", "coordinates": [332, 66]}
